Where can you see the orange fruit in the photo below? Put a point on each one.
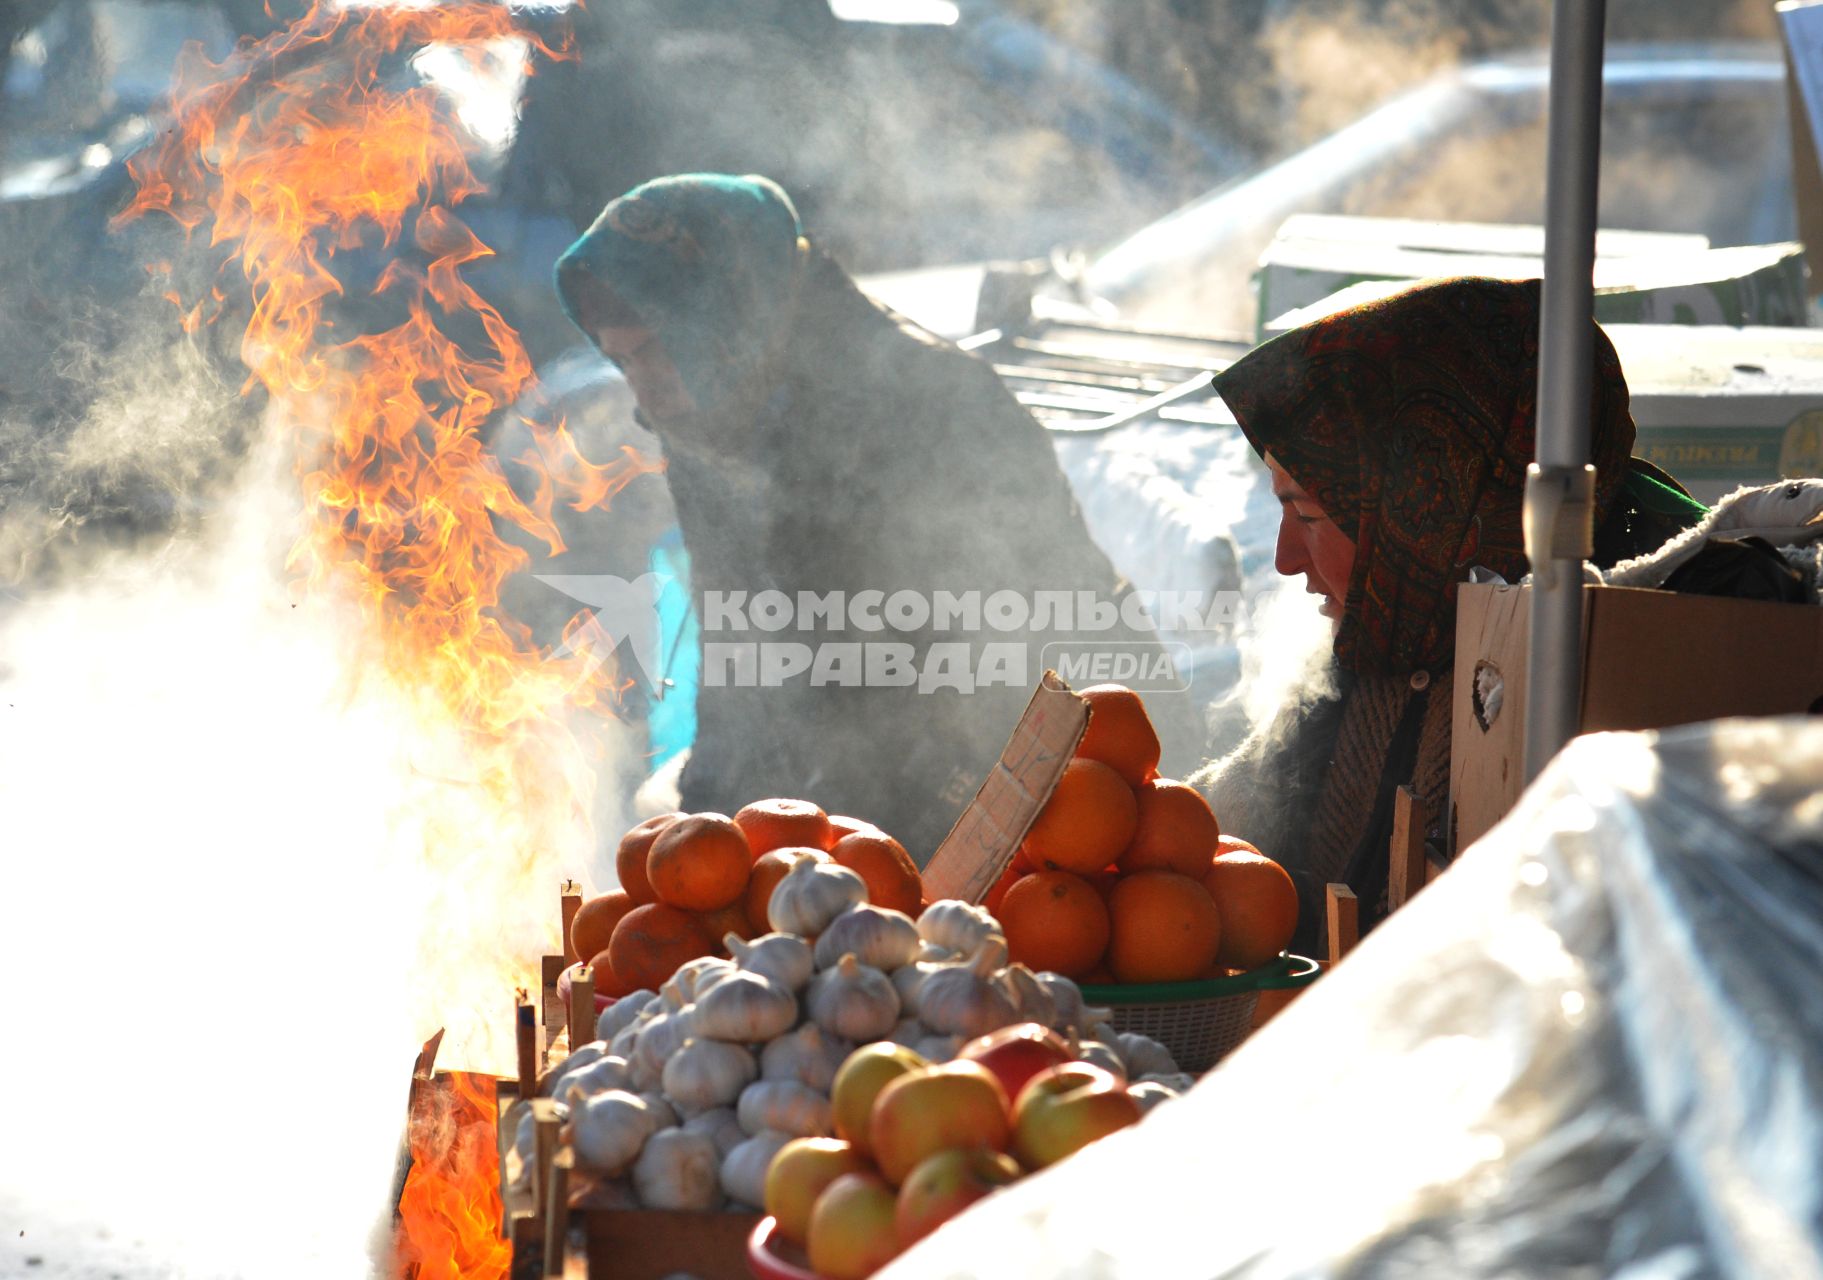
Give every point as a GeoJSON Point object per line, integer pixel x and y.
{"type": "Point", "coordinates": [776, 824]}
{"type": "Point", "coordinates": [1258, 903]}
{"type": "Point", "coordinates": [891, 875]}
{"type": "Point", "coordinates": [841, 825]}
{"type": "Point", "coordinates": [768, 870]}
{"type": "Point", "coordinates": [1120, 734]}
{"type": "Point", "coordinates": [651, 941]}
{"type": "Point", "coordinates": [1098, 976]}
{"type": "Point", "coordinates": [607, 982]}
{"type": "Point", "coordinates": [1000, 886]}
{"type": "Point", "coordinates": [1176, 830]}
{"type": "Point", "coordinates": [595, 920]}
{"type": "Point", "coordinates": [1103, 881]}
{"type": "Point", "coordinates": [1166, 928]}
{"type": "Point", "coordinates": [723, 921]}
{"type": "Point", "coordinates": [1087, 822]}
{"type": "Point", "coordinates": [1054, 921]}
{"type": "Point", "coordinates": [1228, 844]}
{"type": "Point", "coordinates": [630, 859]}
{"type": "Point", "coordinates": [1023, 861]}
{"type": "Point", "coordinates": [699, 863]}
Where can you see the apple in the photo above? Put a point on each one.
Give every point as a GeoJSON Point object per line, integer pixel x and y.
{"type": "Point", "coordinates": [1065, 1109]}
{"type": "Point", "coordinates": [957, 1104]}
{"type": "Point", "coordinates": [852, 1233]}
{"type": "Point", "coordinates": [798, 1174]}
{"type": "Point", "coordinates": [945, 1184]}
{"type": "Point", "coordinates": [1017, 1053]}
{"type": "Point", "coordinates": [858, 1082]}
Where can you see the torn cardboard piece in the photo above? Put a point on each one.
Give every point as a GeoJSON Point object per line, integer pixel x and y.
{"type": "Point", "coordinates": [987, 835]}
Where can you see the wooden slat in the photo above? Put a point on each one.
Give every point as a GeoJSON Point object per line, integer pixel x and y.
{"type": "Point", "coordinates": [570, 902]}
{"type": "Point", "coordinates": [580, 1018]}
{"type": "Point", "coordinates": [1344, 921]}
{"type": "Point", "coordinates": [1406, 872]}
{"type": "Point", "coordinates": [557, 1211]}
{"type": "Point", "coordinates": [525, 1030]}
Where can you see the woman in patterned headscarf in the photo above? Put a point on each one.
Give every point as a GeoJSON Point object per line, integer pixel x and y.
{"type": "Point", "coordinates": [817, 443]}
{"type": "Point", "coordinates": [1397, 435]}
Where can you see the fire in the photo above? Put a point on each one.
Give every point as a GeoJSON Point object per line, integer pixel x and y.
{"type": "Point", "coordinates": [450, 1212]}
{"type": "Point", "coordinates": [291, 151]}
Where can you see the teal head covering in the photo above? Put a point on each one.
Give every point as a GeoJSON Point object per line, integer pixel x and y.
{"type": "Point", "coordinates": [707, 262]}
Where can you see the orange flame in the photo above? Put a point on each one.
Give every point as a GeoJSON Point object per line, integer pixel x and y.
{"type": "Point", "coordinates": [450, 1212]}
{"type": "Point", "coordinates": [293, 149]}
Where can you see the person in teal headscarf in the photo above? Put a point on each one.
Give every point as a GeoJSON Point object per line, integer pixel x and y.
{"type": "Point", "coordinates": [815, 442]}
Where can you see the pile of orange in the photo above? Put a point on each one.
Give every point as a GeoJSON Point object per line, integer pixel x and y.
{"type": "Point", "coordinates": [1126, 877]}
{"type": "Point", "coordinates": [687, 880]}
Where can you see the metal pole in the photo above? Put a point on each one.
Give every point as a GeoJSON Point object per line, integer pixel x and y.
{"type": "Point", "coordinates": [1560, 485]}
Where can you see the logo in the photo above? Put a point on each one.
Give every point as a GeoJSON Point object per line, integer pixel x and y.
{"type": "Point", "coordinates": [623, 612]}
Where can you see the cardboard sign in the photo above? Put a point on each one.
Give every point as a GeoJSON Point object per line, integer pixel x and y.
{"type": "Point", "coordinates": [984, 839]}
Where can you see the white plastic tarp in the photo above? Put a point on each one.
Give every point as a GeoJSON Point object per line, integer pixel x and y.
{"type": "Point", "coordinates": [1594, 1048]}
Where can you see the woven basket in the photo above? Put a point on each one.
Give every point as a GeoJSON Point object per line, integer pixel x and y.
{"type": "Point", "coordinates": [1199, 1021]}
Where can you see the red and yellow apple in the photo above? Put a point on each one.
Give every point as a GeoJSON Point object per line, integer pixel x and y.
{"type": "Point", "coordinates": [858, 1082]}
{"type": "Point", "coordinates": [945, 1184]}
{"type": "Point", "coordinates": [1017, 1053]}
{"type": "Point", "coordinates": [798, 1174]}
{"type": "Point", "coordinates": [852, 1233]}
{"type": "Point", "coordinates": [957, 1104]}
{"type": "Point", "coordinates": [1065, 1109]}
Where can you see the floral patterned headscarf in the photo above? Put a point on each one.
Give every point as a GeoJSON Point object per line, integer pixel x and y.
{"type": "Point", "coordinates": [1411, 421]}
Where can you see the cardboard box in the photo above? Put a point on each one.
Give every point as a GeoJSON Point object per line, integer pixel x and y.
{"type": "Point", "coordinates": [1651, 659]}
{"type": "Point", "coordinates": [1640, 277]}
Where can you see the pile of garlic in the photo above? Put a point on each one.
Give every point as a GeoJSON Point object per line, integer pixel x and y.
{"type": "Point", "coordinates": [686, 1093]}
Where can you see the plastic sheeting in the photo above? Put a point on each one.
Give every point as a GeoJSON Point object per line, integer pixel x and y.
{"type": "Point", "coordinates": [1594, 1048]}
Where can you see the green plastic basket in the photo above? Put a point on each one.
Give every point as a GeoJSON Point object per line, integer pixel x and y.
{"type": "Point", "coordinates": [1200, 1021]}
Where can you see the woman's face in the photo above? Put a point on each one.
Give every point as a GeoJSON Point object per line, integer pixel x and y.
{"type": "Point", "coordinates": [1310, 543]}
{"type": "Point", "coordinates": [650, 372]}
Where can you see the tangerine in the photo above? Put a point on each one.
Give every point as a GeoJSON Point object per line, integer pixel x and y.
{"type": "Point", "coordinates": [1120, 734]}
{"type": "Point", "coordinates": [1054, 921]}
{"type": "Point", "coordinates": [1166, 928]}
{"type": "Point", "coordinates": [1259, 906]}
{"type": "Point", "coordinates": [630, 858]}
{"type": "Point", "coordinates": [699, 863]}
{"type": "Point", "coordinates": [841, 825]}
{"type": "Point", "coordinates": [891, 875]}
{"type": "Point", "coordinates": [768, 870]}
{"type": "Point", "coordinates": [595, 919]}
{"type": "Point", "coordinates": [607, 982]}
{"type": "Point", "coordinates": [721, 922]}
{"type": "Point", "coordinates": [1176, 830]}
{"type": "Point", "coordinates": [650, 942]}
{"type": "Point", "coordinates": [1006, 881]}
{"type": "Point", "coordinates": [776, 824]}
{"type": "Point", "coordinates": [1087, 822]}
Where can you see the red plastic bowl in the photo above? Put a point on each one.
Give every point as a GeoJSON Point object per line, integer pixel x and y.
{"type": "Point", "coordinates": [772, 1257]}
{"type": "Point", "coordinates": [563, 993]}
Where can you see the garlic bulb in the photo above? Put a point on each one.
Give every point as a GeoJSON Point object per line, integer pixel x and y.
{"type": "Point", "coordinates": [745, 1008]}
{"type": "Point", "coordinates": [608, 1130]}
{"type": "Point", "coordinates": [965, 999]}
{"type": "Point", "coordinates": [938, 1048]}
{"type": "Point", "coordinates": [579, 1058]}
{"type": "Point", "coordinates": [854, 1001]}
{"type": "Point", "coordinates": [1103, 1031]}
{"type": "Point", "coordinates": [1102, 1055]}
{"type": "Point", "coordinates": [621, 1013]}
{"type": "Point", "coordinates": [705, 1074]}
{"type": "Point", "coordinates": [1143, 1055]}
{"type": "Point", "coordinates": [908, 979]}
{"type": "Point", "coordinates": [876, 936]}
{"type": "Point", "coordinates": [1149, 1093]}
{"type": "Point", "coordinates": [621, 1046]}
{"type": "Point", "coordinates": [783, 957]}
{"type": "Point", "coordinates": [657, 1040]}
{"type": "Point", "coordinates": [692, 978]}
{"type": "Point", "coordinates": [908, 1031]}
{"type": "Point", "coordinates": [809, 1055]}
{"type": "Point", "coordinates": [931, 953]}
{"type": "Point", "coordinates": [744, 1168]}
{"type": "Point", "coordinates": [668, 1118]}
{"type": "Point", "coordinates": [1181, 1081]}
{"type": "Point", "coordinates": [785, 1106]}
{"type": "Point", "coordinates": [1031, 997]}
{"type": "Point", "coordinates": [957, 925]}
{"type": "Point", "coordinates": [722, 1125]}
{"type": "Point", "coordinates": [598, 1077]}
{"type": "Point", "coordinates": [678, 1170]}
{"type": "Point", "coordinates": [1072, 1014]}
{"type": "Point", "coordinates": [811, 895]}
